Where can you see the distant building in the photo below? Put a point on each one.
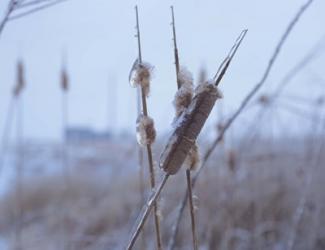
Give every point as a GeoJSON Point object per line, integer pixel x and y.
{"type": "Point", "coordinates": [77, 134]}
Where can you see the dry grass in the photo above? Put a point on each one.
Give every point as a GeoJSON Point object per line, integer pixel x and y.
{"type": "Point", "coordinates": [249, 208]}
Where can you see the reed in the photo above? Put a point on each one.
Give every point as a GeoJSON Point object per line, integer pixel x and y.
{"type": "Point", "coordinates": [140, 77]}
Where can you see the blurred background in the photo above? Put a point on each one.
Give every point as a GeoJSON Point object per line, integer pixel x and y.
{"type": "Point", "coordinates": [76, 150]}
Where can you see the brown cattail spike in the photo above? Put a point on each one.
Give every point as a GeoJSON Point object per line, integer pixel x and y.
{"type": "Point", "coordinates": [20, 80]}
{"type": "Point", "coordinates": [64, 80]}
{"type": "Point", "coordinates": [188, 128]}
{"type": "Point", "coordinates": [146, 133]}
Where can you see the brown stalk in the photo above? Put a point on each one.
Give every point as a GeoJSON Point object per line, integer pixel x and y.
{"type": "Point", "coordinates": [149, 151]}
{"type": "Point", "coordinates": [20, 85]}
{"type": "Point", "coordinates": [188, 171]}
{"type": "Point", "coordinates": [242, 106]}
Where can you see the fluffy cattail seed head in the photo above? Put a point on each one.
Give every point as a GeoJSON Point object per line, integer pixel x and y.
{"type": "Point", "coordinates": [20, 80]}
{"type": "Point", "coordinates": [140, 75]}
{"type": "Point", "coordinates": [192, 160]}
{"type": "Point", "coordinates": [183, 99]}
{"type": "Point", "coordinates": [185, 77]}
{"type": "Point", "coordinates": [183, 96]}
{"type": "Point", "coordinates": [146, 133]}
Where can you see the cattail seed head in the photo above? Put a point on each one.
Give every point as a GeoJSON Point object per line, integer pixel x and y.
{"type": "Point", "coordinates": [183, 99]}
{"type": "Point", "coordinates": [64, 80]}
{"type": "Point", "coordinates": [184, 77]}
{"type": "Point", "coordinates": [184, 95]}
{"type": "Point", "coordinates": [187, 129]}
{"type": "Point", "coordinates": [146, 133]}
{"type": "Point", "coordinates": [20, 78]}
{"type": "Point", "coordinates": [231, 160]}
{"type": "Point", "coordinates": [264, 99]}
{"type": "Point", "coordinates": [205, 86]}
{"type": "Point", "coordinates": [192, 160]}
{"type": "Point", "coordinates": [140, 75]}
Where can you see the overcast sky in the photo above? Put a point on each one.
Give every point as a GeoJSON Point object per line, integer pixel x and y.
{"type": "Point", "coordinates": [98, 36]}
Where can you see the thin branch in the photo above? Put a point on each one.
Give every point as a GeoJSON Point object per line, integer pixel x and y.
{"type": "Point", "coordinates": [149, 150]}
{"type": "Point", "coordinates": [34, 10]}
{"type": "Point", "coordinates": [188, 172]}
{"type": "Point", "coordinates": [145, 212]}
{"type": "Point", "coordinates": [242, 106]}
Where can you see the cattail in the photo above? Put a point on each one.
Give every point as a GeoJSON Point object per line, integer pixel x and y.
{"type": "Point", "coordinates": [183, 96]}
{"type": "Point", "coordinates": [20, 81]}
{"type": "Point", "coordinates": [264, 99]}
{"type": "Point", "coordinates": [64, 80]}
{"type": "Point", "coordinates": [146, 133]}
{"type": "Point", "coordinates": [231, 160]}
{"type": "Point", "coordinates": [140, 75]}
{"type": "Point", "coordinates": [192, 161]}
{"type": "Point", "coordinates": [188, 128]}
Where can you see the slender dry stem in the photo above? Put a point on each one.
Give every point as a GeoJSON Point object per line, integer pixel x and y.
{"type": "Point", "coordinates": [192, 211]}
{"type": "Point", "coordinates": [145, 212]}
{"type": "Point", "coordinates": [188, 172]}
{"type": "Point", "coordinates": [149, 151]}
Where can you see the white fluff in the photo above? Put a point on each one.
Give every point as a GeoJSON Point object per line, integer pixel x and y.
{"type": "Point", "coordinates": [146, 133]}
{"type": "Point", "coordinates": [140, 75]}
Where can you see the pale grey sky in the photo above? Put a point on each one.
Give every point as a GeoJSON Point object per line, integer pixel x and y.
{"type": "Point", "coordinates": [98, 36]}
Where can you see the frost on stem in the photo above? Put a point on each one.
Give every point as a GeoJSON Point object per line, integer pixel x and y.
{"type": "Point", "coordinates": [184, 95]}
{"type": "Point", "coordinates": [192, 161]}
{"type": "Point", "coordinates": [146, 133]}
{"type": "Point", "coordinates": [20, 82]}
{"type": "Point", "coordinates": [140, 75]}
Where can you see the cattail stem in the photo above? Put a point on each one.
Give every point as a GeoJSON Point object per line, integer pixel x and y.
{"type": "Point", "coordinates": [141, 169]}
{"type": "Point", "coordinates": [191, 205]}
{"type": "Point", "coordinates": [7, 131]}
{"type": "Point", "coordinates": [145, 212]}
{"type": "Point", "coordinates": [64, 153]}
{"type": "Point", "coordinates": [188, 172]}
{"type": "Point", "coordinates": [19, 174]}
{"type": "Point", "coordinates": [149, 151]}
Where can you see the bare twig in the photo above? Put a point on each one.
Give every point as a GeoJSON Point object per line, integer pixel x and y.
{"type": "Point", "coordinates": [242, 106]}
{"type": "Point", "coordinates": [36, 9]}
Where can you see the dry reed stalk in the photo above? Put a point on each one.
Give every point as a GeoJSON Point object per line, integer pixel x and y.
{"type": "Point", "coordinates": [145, 126]}
{"type": "Point", "coordinates": [186, 132]}
{"type": "Point", "coordinates": [7, 131]}
{"type": "Point", "coordinates": [64, 84]}
{"type": "Point", "coordinates": [182, 100]}
{"type": "Point", "coordinates": [141, 170]}
{"type": "Point", "coordinates": [315, 159]}
{"type": "Point", "coordinates": [242, 106]}
{"type": "Point", "coordinates": [20, 85]}
{"type": "Point", "coordinates": [24, 9]}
